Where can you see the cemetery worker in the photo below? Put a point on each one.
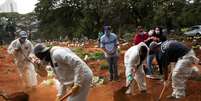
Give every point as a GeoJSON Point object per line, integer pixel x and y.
{"type": "Point", "coordinates": [174, 51]}
{"type": "Point", "coordinates": [71, 71]}
{"type": "Point", "coordinates": [133, 60]}
{"type": "Point", "coordinates": [183, 70]}
{"type": "Point", "coordinates": [109, 43]}
{"type": "Point", "coordinates": [21, 48]}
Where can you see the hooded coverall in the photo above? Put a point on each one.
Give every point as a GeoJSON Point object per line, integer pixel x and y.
{"type": "Point", "coordinates": [182, 72]}
{"type": "Point", "coordinates": [131, 61]}
{"type": "Point", "coordinates": [69, 70]}
{"type": "Point", "coordinates": [21, 52]}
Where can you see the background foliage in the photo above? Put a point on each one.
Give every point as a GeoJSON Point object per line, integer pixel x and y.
{"type": "Point", "coordinates": [78, 18]}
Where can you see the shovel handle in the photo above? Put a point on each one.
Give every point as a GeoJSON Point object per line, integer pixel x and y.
{"type": "Point", "coordinates": [164, 87]}
{"type": "Point", "coordinates": [65, 96]}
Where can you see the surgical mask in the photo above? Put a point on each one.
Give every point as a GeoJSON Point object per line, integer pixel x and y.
{"type": "Point", "coordinates": [107, 33]}
{"type": "Point", "coordinates": [22, 40]}
{"type": "Point", "coordinates": [157, 32]}
{"type": "Point", "coordinates": [141, 33]}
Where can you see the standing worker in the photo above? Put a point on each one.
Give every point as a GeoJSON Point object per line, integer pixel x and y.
{"type": "Point", "coordinates": [133, 60]}
{"type": "Point", "coordinates": [109, 43]}
{"type": "Point", "coordinates": [21, 48]}
{"type": "Point", "coordinates": [174, 51]}
{"type": "Point", "coordinates": [70, 70]}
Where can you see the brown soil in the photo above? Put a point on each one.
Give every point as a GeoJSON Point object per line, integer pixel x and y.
{"type": "Point", "coordinates": [9, 82]}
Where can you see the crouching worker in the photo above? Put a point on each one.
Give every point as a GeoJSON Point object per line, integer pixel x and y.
{"type": "Point", "coordinates": [174, 51]}
{"type": "Point", "coordinates": [21, 48]}
{"type": "Point", "coordinates": [69, 69]}
{"type": "Point", "coordinates": [133, 59]}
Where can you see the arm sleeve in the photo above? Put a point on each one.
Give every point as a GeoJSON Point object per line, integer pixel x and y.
{"type": "Point", "coordinates": [12, 47]}
{"type": "Point", "coordinates": [131, 63]}
{"type": "Point", "coordinates": [30, 49]}
{"type": "Point", "coordinates": [102, 45]}
{"type": "Point", "coordinates": [116, 42]}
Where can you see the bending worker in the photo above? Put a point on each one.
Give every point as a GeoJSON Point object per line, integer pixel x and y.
{"type": "Point", "coordinates": [133, 60]}
{"type": "Point", "coordinates": [174, 51]}
{"type": "Point", "coordinates": [70, 70]}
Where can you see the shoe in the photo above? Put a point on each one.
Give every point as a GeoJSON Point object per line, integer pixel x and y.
{"type": "Point", "coordinates": [111, 78]}
{"type": "Point", "coordinates": [143, 91]}
{"type": "Point", "coordinates": [171, 97]}
{"type": "Point", "coordinates": [149, 76]}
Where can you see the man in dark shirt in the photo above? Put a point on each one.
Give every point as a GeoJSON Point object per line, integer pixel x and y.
{"type": "Point", "coordinates": [174, 51]}
{"type": "Point", "coordinates": [167, 52]}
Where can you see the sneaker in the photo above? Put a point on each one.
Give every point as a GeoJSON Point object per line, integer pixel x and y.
{"type": "Point", "coordinates": [149, 76]}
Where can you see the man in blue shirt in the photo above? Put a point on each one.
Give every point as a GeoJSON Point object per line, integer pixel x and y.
{"type": "Point", "coordinates": [109, 44]}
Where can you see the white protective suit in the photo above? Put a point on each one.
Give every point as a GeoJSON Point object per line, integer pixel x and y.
{"type": "Point", "coordinates": [69, 70]}
{"type": "Point", "coordinates": [25, 67]}
{"type": "Point", "coordinates": [182, 72]}
{"type": "Point", "coordinates": [131, 60]}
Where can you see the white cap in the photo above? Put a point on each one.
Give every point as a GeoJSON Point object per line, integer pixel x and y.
{"type": "Point", "coordinates": [23, 34]}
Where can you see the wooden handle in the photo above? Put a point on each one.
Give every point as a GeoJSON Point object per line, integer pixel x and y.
{"type": "Point", "coordinates": [164, 87]}
{"type": "Point", "coordinates": [65, 96]}
{"type": "Point", "coordinates": [161, 94]}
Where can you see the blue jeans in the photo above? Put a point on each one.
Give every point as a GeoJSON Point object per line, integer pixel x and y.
{"type": "Point", "coordinates": [149, 70]}
{"type": "Point", "coordinates": [113, 69]}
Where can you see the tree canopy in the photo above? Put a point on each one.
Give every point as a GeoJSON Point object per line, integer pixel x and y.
{"type": "Point", "coordinates": [77, 18]}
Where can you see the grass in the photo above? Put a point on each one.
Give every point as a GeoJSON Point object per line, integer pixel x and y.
{"type": "Point", "coordinates": [104, 65]}
{"type": "Point", "coordinates": [96, 56]}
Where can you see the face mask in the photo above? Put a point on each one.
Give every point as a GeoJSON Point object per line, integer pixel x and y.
{"type": "Point", "coordinates": [107, 33]}
{"type": "Point", "coordinates": [44, 62]}
{"type": "Point", "coordinates": [141, 33]}
{"type": "Point", "coordinates": [22, 40]}
{"type": "Point", "coordinates": [157, 32]}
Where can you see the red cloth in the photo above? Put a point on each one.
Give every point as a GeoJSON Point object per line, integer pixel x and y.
{"type": "Point", "coordinates": [139, 38]}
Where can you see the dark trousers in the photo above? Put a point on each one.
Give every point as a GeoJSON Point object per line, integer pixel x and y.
{"type": "Point", "coordinates": [159, 60]}
{"type": "Point", "coordinates": [113, 69]}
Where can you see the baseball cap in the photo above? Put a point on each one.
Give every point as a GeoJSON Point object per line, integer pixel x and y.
{"type": "Point", "coordinates": [23, 34]}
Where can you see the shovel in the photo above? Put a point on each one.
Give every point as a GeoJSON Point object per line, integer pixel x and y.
{"type": "Point", "coordinates": [164, 88]}
{"type": "Point", "coordinates": [65, 96]}
{"type": "Point", "coordinates": [119, 95]}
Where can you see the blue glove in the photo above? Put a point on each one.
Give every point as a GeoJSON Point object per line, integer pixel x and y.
{"type": "Point", "coordinates": [130, 77]}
